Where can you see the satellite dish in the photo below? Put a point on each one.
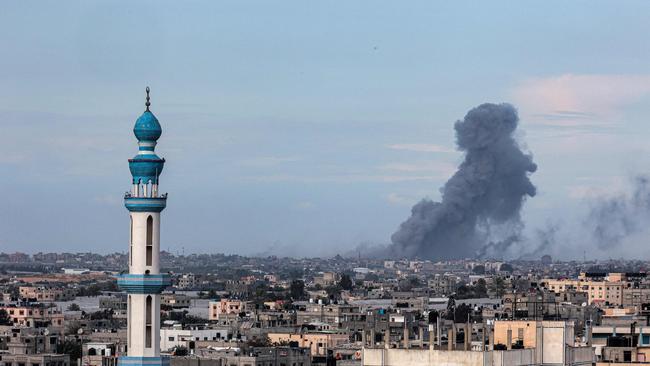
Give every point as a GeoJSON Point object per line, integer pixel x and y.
{"type": "Point", "coordinates": [80, 331]}
{"type": "Point", "coordinates": [46, 331]}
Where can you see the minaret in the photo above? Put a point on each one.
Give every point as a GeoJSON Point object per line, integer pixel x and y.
{"type": "Point", "coordinates": [144, 282]}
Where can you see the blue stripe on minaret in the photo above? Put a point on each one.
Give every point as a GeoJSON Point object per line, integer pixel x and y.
{"type": "Point", "coordinates": [143, 283]}
{"type": "Point", "coordinates": [144, 361]}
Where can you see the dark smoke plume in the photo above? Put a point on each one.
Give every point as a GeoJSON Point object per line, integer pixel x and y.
{"type": "Point", "coordinates": [613, 220]}
{"type": "Point", "coordinates": [482, 200]}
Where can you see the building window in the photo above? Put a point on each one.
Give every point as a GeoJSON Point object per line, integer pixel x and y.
{"type": "Point", "coordinates": [149, 240]}
{"type": "Point", "coordinates": [129, 309]}
{"type": "Point", "coordinates": [148, 316]}
{"type": "Point", "coordinates": [131, 242]}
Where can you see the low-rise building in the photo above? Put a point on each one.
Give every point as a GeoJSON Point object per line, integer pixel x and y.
{"type": "Point", "coordinates": [35, 315]}
{"type": "Point", "coordinates": [175, 301]}
{"type": "Point", "coordinates": [186, 281]}
{"type": "Point", "coordinates": [267, 356]}
{"type": "Point", "coordinates": [46, 294]}
{"type": "Point", "coordinates": [31, 346]}
{"type": "Point", "coordinates": [318, 342]}
{"type": "Point", "coordinates": [217, 309]}
{"type": "Point", "coordinates": [171, 338]}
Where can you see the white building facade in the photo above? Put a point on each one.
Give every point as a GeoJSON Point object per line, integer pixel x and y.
{"type": "Point", "coordinates": [144, 282]}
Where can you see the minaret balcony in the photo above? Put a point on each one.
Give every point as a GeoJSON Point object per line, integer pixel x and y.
{"type": "Point", "coordinates": [144, 361]}
{"type": "Point", "coordinates": [143, 283]}
{"type": "Point", "coordinates": [145, 204]}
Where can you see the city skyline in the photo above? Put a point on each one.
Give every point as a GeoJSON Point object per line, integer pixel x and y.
{"type": "Point", "coordinates": [309, 129]}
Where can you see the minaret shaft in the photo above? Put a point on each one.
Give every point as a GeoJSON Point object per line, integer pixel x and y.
{"type": "Point", "coordinates": [144, 282]}
{"type": "Point", "coordinates": [144, 256]}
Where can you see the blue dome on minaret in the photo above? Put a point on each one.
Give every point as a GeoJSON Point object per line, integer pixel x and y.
{"type": "Point", "coordinates": [146, 166]}
{"type": "Point", "coordinates": [147, 127]}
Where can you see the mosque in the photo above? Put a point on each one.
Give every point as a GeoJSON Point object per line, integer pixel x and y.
{"type": "Point", "coordinates": [144, 282]}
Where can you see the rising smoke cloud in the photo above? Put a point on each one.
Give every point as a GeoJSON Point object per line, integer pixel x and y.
{"type": "Point", "coordinates": [614, 220]}
{"type": "Point", "coordinates": [481, 202]}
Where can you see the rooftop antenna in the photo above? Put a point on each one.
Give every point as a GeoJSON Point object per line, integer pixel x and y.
{"type": "Point", "coordinates": [147, 103]}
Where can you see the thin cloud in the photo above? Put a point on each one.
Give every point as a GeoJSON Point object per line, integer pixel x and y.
{"type": "Point", "coordinates": [442, 169]}
{"type": "Point", "coordinates": [351, 178]}
{"type": "Point", "coordinates": [422, 148]}
{"type": "Point", "coordinates": [401, 200]}
{"type": "Point", "coordinates": [579, 99]}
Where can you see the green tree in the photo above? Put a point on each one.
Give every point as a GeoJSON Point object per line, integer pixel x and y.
{"type": "Point", "coordinates": [461, 313]}
{"type": "Point", "coordinates": [479, 270]}
{"type": "Point", "coordinates": [451, 308]}
{"type": "Point", "coordinates": [480, 289]}
{"type": "Point", "coordinates": [498, 286]}
{"type": "Point", "coordinates": [73, 307]}
{"type": "Point", "coordinates": [72, 327]}
{"type": "Point", "coordinates": [180, 351]}
{"type": "Point", "coordinates": [259, 342]}
{"type": "Point", "coordinates": [70, 347]}
{"type": "Point", "coordinates": [106, 314]}
{"type": "Point", "coordinates": [4, 317]}
{"type": "Point", "coordinates": [297, 290]}
{"type": "Point", "coordinates": [346, 282]}
{"type": "Point", "coordinates": [333, 292]}
{"type": "Point", "coordinates": [433, 316]}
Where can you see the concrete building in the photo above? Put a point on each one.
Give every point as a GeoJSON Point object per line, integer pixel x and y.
{"type": "Point", "coordinates": [606, 290]}
{"type": "Point", "coordinates": [223, 307]}
{"type": "Point", "coordinates": [144, 283]}
{"type": "Point", "coordinates": [630, 343]}
{"type": "Point", "coordinates": [99, 354]}
{"type": "Point", "coordinates": [332, 314]}
{"type": "Point", "coordinates": [186, 281]}
{"type": "Point", "coordinates": [520, 343]}
{"type": "Point", "coordinates": [171, 338]}
{"type": "Point", "coordinates": [318, 342]}
{"type": "Point", "coordinates": [266, 356]}
{"type": "Point", "coordinates": [29, 346]}
{"type": "Point", "coordinates": [46, 294]}
{"type": "Point", "coordinates": [326, 279]}
{"type": "Point", "coordinates": [116, 302]}
{"type": "Point", "coordinates": [443, 285]}
{"type": "Point", "coordinates": [35, 315]}
{"type": "Point", "coordinates": [175, 300]}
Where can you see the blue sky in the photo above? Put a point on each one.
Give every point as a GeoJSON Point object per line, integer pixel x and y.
{"type": "Point", "coordinates": [305, 128]}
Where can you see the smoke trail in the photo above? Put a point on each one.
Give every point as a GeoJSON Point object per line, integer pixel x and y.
{"type": "Point", "coordinates": [487, 191]}
{"type": "Point", "coordinates": [545, 240]}
{"type": "Point", "coordinates": [613, 220]}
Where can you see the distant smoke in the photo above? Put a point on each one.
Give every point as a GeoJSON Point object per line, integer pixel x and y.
{"type": "Point", "coordinates": [613, 220]}
{"type": "Point", "coordinates": [482, 200]}
{"type": "Point", "coordinates": [499, 248]}
{"type": "Point", "coordinates": [546, 240]}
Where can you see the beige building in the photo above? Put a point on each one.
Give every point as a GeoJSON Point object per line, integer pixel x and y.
{"type": "Point", "coordinates": [537, 342]}
{"type": "Point", "coordinates": [32, 347]}
{"type": "Point", "coordinates": [317, 342]}
{"type": "Point", "coordinates": [35, 316]}
{"type": "Point", "coordinates": [46, 294]}
{"type": "Point", "coordinates": [599, 292]}
{"type": "Point", "coordinates": [175, 300]}
{"type": "Point", "coordinates": [224, 307]}
{"type": "Point", "coordinates": [326, 279]}
{"type": "Point", "coordinates": [526, 333]}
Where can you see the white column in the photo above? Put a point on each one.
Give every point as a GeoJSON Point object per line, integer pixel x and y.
{"type": "Point", "coordinates": [143, 344]}
{"type": "Point", "coordinates": [141, 232]}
